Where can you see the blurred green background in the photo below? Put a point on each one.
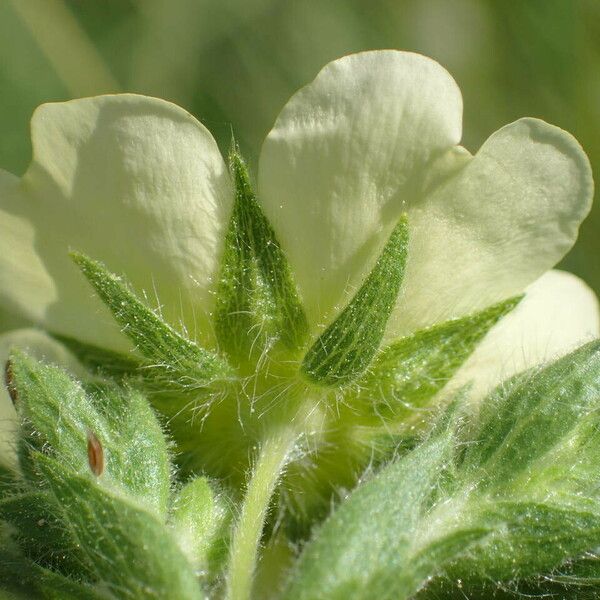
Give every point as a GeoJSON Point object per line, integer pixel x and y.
{"type": "Point", "coordinates": [234, 63]}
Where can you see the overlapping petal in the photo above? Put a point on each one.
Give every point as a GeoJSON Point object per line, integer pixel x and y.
{"type": "Point", "coordinates": [347, 155]}
{"type": "Point", "coordinates": [133, 181]}
{"type": "Point", "coordinates": [558, 314]}
{"type": "Point", "coordinates": [376, 134]}
{"type": "Point", "coordinates": [507, 216]}
{"type": "Point", "coordinates": [139, 184]}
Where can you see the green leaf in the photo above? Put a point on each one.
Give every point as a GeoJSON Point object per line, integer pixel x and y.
{"type": "Point", "coordinates": [510, 499]}
{"type": "Point", "coordinates": [60, 415]}
{"type": "Point", "coordinates": [26, 580]}
{"type": "Point", "coordinates": [526, 536]}
{"type": "Point", "coordinates": [581, 573]}
{"type": "Point", "coordinates": [133, 554]}
{"type": "Point", "coordinates": [53, 586]}
{"type": "Point", "coordinates": [534, 425]}
{"type": "Point", "coordinates": [409, 372]}
{"type": "Point", "coordinates": [345, 349]}
{"type": "Point", "coordinates": [577, 579]}
{"type": "Point", "coordinates": [40, 533]}
{"type": "Point", "coordinates": [367, 548]}
{"type": "Point", "coordinates": [535, 458]}
{"type": "Point", "coordinates": [257, 302]}
{"type": "Point", "coordinates": [201, 520]}
{"type": "Point", "coordinates": [8, 477]}
{"type": "Point", "coordinates": [171, 359]}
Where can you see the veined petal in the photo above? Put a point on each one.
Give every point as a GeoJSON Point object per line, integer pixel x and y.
{"type": "Point", "coordinates": [559, 313]}
{"type": "Point", "coordinates": [40, 346]}
{"type": "Point", "coordinates": [346, 157]}
{"type": "Point", "coordinates": [499, 222]}
{"type": "Point", "coordinates": [132, 181]}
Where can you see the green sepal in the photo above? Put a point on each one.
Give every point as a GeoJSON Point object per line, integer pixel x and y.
{"type": "Point", "coordinates": [171, 359]}
{"type": "Point", "coordinates": [407, 374]}
{"type": "Point", "coordinates": [58, 416]}
{"type": "Point", "coordinates": [257, 300]}
{"type": "Point", "coordinates": [345, 349]}
{"type": "Point", "coordinates": [133, 554]}
{"type": "Point", "coordinates": [201, 519]}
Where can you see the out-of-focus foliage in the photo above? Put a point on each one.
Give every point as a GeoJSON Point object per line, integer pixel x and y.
{"type": "Point", "coordinates": [233, 63]}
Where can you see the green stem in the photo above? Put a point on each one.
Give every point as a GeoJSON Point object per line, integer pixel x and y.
{"type": "Point", "coordinates": [272, 459]}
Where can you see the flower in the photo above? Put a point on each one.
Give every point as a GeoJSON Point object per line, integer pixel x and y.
{"type": "Point", "coordinates": [139, 184]}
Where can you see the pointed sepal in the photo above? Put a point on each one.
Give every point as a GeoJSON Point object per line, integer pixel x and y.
{"type": "Point", "coordinates": [257, 304]}
{"type": "Point", "coordinates": [408, 373]}
{"type": "Point", "coordinates": [170, 357]}
{"type": "Point", "coordinates": [346, 348]}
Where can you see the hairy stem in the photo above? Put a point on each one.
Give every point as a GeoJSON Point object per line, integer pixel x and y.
{"type": "Point", "coordinates": [272, 459]}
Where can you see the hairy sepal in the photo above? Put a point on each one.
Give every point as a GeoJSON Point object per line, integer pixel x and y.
{"type": "Point", "coordinates": [406, 375]}
{"type": "Point", "coordinates": [171, 360]}
{"type": "Point", "coordinates": [257, 303]}
{"type": "Point", "coordinates": [346, 348]}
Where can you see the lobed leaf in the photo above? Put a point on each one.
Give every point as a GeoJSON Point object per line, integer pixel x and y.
{"type": "Point", "coordinates": [365, 549]}
{"type": "Point", "coordinates": [40, 533]}
{"type": "Point", "coordinates": [132, 553]}
{"type": "Point", "coordinates": [26, 580]}
{"type": "Point", "coordinates": [539, 419]}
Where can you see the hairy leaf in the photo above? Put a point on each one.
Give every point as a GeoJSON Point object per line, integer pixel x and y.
{"type": "Point", "coordinates": [40, 533]}
{"type": "Point", "coordinates": [519, 501]}
{"type": "Point", "coordinates": [23, 579]}
{"type": "Point", "coordinates": [61, 417]}
{"type": "Point", "coordinates": [132, 553]}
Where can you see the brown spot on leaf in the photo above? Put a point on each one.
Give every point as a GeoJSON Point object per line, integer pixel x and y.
{"type": "Point", "coordinates": [95, 454]}
{"type": "Point", "coordinates": [9, 381]}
